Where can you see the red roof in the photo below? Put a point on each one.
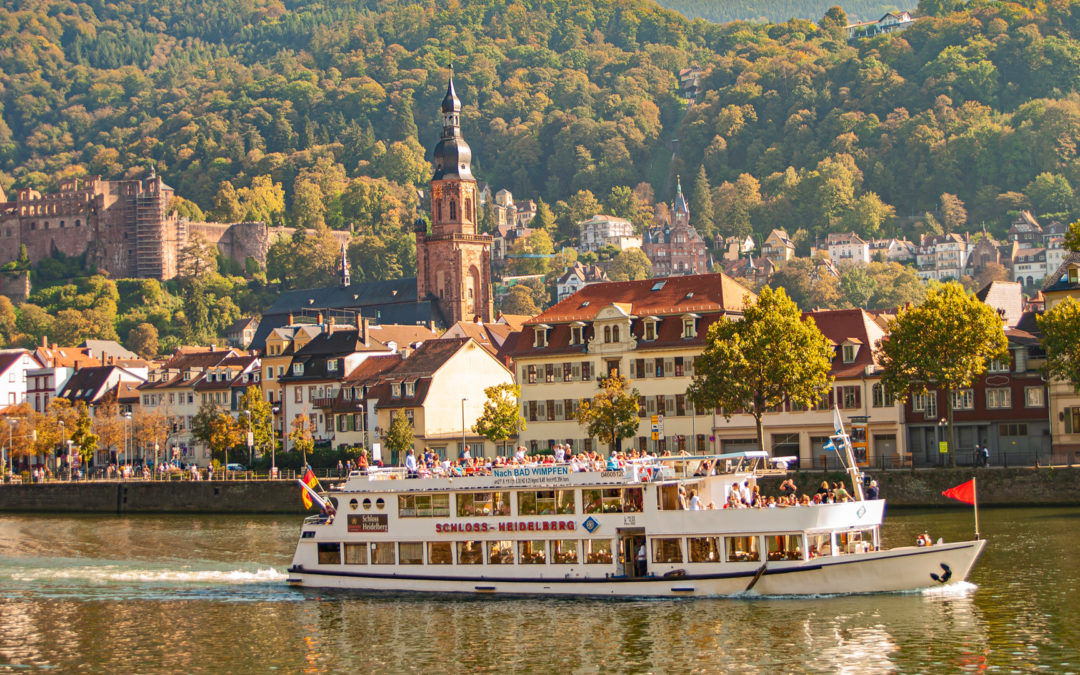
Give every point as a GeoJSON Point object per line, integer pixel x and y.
{"type": "Point", "coordinates": [669, 295]}
{"type": "Point", "coordinates": [855, 326]}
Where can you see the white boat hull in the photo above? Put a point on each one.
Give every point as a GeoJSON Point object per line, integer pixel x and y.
{"type": "Point", "coordinates": [893, 570]}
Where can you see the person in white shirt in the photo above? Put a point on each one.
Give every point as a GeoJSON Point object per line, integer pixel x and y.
{"type": "Point", "coordinates": [560, 453]}
{"type": "Point", "coordinates": [695, 501]}
{"type": "Point", "coordinates": [410, 463]}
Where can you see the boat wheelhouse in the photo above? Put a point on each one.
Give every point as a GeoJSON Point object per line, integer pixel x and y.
{"type": "Point", "coordinates": [546, 529]}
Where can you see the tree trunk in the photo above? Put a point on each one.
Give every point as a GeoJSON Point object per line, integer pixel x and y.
{"type": "Point", "coordinates": [760, 430]}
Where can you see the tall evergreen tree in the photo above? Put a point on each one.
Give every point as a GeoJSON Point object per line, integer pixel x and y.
{"type": "Point", "coordinates": [701, 205]}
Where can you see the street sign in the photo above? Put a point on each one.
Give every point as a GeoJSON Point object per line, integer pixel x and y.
{"type": "Point", "coordinates": [943, 447]}
{"type": "Point", "coordinates": [657, 427]}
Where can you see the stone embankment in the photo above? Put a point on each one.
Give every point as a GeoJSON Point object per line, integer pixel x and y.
{"type": "Point", "coordinates": [1046, 486]}
{"type": "Point", "coordinates": [921, 487]}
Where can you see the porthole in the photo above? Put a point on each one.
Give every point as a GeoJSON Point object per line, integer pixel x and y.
{"type": "Point", "coordinates": [367, 504]}
{"type": "Point", "coordinates": [379, 503]}
{"type": "Point", "coordinates": [353, 504]}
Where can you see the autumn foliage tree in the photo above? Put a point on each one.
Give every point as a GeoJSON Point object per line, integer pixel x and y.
{"type": "Point", "coordinates": [1060, 326]}
{"type": "Point", "coordinates": [769, 356]}
{"type": "Point", "coordinates": [501, 418]}
{"type": "Point", "coordinates": [612, 413]}
{"type": "Point", "coordinates": [943, 343]}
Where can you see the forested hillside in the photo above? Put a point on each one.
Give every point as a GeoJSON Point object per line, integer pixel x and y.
{"type": "Point", "coordinates": [777, 11]}
{"type": "Point", "coordinates": [336, 102]}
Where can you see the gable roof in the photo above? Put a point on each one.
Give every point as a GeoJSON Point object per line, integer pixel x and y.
{"type": "Point", "coordinates": [108, 348]}
{"type": "Point", "coordinates": [850, 325]}
{"type": "Point", "coordinates": [1007, 297]}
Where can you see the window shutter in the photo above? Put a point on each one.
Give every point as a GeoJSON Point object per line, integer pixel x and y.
{"type": "Point", "coordinates": [669, 367]}
{"type": "Point", "coordinates": [688, 366]}
{"type": "Point", "coordinates": [558, 411]}
{"type": "Point", "coordinates": [558, 372]}
{"type": "Point", "coordinates": [669, 405]}
{"type": "Point", "coordinates": [633, 369]}
{"type": "Point", "coordinates": [524, 373]}
{"type": "Point", "coordinates": [577, 370]}
{"type": "Point", "coordinates": [541, 411]}
{"type": "Point", "coordinates": [858, 397]}
{"type": "Point", "coordinates": [651, 405]}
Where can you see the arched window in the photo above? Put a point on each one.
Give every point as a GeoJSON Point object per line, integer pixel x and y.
{"type": "Point", "coordinates": [78, 223]}
{"type": "Point", "coordinates": [438, 211]}
{"type": "Point", "coordinates": [453, 210]}
{"type": "Point", "coordinates": [468, 210]}
{"type": "Point", "coordinates": [607, 333]}
{"type": "Point", "coordinates": [615, 334]}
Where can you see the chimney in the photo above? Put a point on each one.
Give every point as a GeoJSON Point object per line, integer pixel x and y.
{"type": "Point", "coordinates": [290, 319]}
{"type": "Point", "coordinates": [362, 334]}
{"type": "Point", "coordinates": [330, 325]}
{"type": "Point", "coordinates": [44, 341]}
{"type": "Point", "coordinates": [319, 321]}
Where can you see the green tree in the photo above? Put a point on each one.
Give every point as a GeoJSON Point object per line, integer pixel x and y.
{"type": "Point", "coordinates": [227, 208]}
{"type": "Point", "coordinates": [143, 340]}
{"type": "Point", "coordinates": [1061, 340]}
{"type": "Point", "coordinates": [519, 300]}
{"type": "Point", "coordinates": [612, 414]}
{"type": "Point", "coordinates": [400, 437]}
{"type": "Point", "coordinates": [536, 244]}
{"type": "Point", "coordinates": [84, 440]}
{"type": "Point", "coordinates": [501, 418]}
{"type": "Point", "coordinates": [22, 262]}
{"type": "Point", "coordinates": [944, 342]}
{"type": "Point", "coordinates": [630, 265]}
{"type": "Point", "coordinates": [834, 22]}
{"type": "Point", "coordinates": [33, 323]}
{"type": "Point", "coordinates": [1072, 237]}
{"type": "Point", "coordinates": [256, 416]}
{"type": "Point", "coordinates": [623, 202]}
{"type": "Point", "coordinates": [701, 205]}
{"type": "Point", "coordinates": [202, 422]}
{"type": "Point", "coordinates": [770, 356]}
{"type": "Point", "coordinates": [857, 287]}
{"type": "Point", "coordinates": [8, 317]}
{"type": "Point", "coordinates": [224, 435]}
{"type": "Point", "coordinates": [544, 219]}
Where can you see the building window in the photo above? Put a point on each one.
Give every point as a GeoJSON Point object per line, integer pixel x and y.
{"type": "Point", "coordinates": [849, 353]}
{"type": "Point", "coordinates": [658, 367]}
{"type": "Point", "coordinates": [925, 403]}
{"type": "Point", "coordinates": [531, 374]}
{"type": "Point", "coordinates": [549, 372]}
{"type": "Point", "coordinates": [577, 335]}
{"type": "Point", "coordinates": [1072, 420]}
{"type": "Point", "coordinates": [999, 398]}
{"type": "Point", "coordinates": [1034, 397]}
{"type": "Point", "coordinates": [395, 390]}
{"type": "Point", "coordinates": [963, 399]}
{"type": "Point", "coordinates": [567, 372]}
{"type": "Point", "coordinates": [298, 369]}
{"type": "Point", "coordinates": [299, 394]}
{"type": "Point", "coordinates": [332, 366]}
{"type": "Point", "coordinates": [650, 330]}
{"type": "Point", "coordinates": [997, 366]}
{"type": "Point", "coordinates": [410, 388]}
{"type": "Point", "coordinates": [880, 398]}
{"type": "Point", "coordinates": [586, 371]}
{"type": "Point", "coordinates": [540, 338]}
{"type": "Point", "coordinates": [689, 327]}
{"type": "Point", "coordinates": [1013, 429]}
{"type": "Point", "coordinates": [849, 397]}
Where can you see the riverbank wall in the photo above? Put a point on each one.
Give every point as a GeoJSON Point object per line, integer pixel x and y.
{"type": "Point", "coordinates": [232, 496]}
{"type": "Point", "coordinates": [1046, 486]}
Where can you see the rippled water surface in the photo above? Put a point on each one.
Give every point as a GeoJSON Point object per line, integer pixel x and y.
{"type": "Point", "coordinates": [207, 594]}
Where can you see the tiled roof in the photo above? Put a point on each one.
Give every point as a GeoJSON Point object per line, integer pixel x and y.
{"type": "Point", "coordinates": [1058, 281]}
{"type": "Point", "coordinates": [401, 335]}
{"type": "Point", "coordinates": [186, 358]}
{"type": "Point", "coordinates": [371, 368]}
{"type": "Point", "coordinates": [852, 325]}
{"type": "Point", "coordinates": [108, 348]}
{"type": "Point", "coordinates": [9, 357]}
{"type": "Point", "coordinates": [65, 357]}
{"type": "Point", "coordinates": [670, 295]}
{"type": "Point", "coordinates": [427, 358]}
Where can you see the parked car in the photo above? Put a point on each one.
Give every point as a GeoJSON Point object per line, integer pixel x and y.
{"type": "Point", "coordinates": [235, 467]}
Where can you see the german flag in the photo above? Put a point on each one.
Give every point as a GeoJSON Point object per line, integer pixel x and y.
{"type": "Point", "coordinates": [309, 481]}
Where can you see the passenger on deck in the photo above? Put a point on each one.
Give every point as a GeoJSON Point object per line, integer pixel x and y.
{"type": "Point", "coordinates": [823, 491]}
{"type": "Point", "coordinates": [695, 501]}
{"type": "Point", "coordinates": [683, 505]}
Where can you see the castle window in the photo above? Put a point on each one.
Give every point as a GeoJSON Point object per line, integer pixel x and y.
{"type": "Point", "coordinates": [78, 223]}
{"type": "Point", "coordinates": [438, 210]}
{"type": "Point", "coordinates": [62, 226]}
{"type": "Point", "coordinates": [46, 225]}
{"type": "Point", "coordinates": [468, 210]}
{"type": "Point", "coordinates": [33, 226]}
{"type": "Point", "coordinates": [453, 210]}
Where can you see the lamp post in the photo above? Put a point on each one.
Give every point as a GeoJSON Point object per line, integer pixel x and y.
{"type": "Point", "coordinates": [7, 420]}
{"type": "Point", "coordinates": [63, 442]}
{"type": "Point", "coordinates": [941, 435]}
{"type": "Point", "coordinates": [463, 446]}
{"type": "Point", "coordinates": [273, 445]}
{"type": "Point", "coordinates": [250, 437]}
{"type": "Point", "coordinates": [127, 435]}
{"type": "Point", "coordinates": [157, 447]}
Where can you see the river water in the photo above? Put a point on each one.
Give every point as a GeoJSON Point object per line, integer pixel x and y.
{"type": "Point", "coordinates": [208, 594]}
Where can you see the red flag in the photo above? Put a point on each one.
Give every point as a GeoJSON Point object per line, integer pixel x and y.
{"type": "Point", "coordinates": [964, 492]}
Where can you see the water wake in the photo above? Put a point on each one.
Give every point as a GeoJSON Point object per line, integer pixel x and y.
{"type": "Point", "coordinates": [112, 574]}
{"type": "Point", "coordinates": [950, 590]}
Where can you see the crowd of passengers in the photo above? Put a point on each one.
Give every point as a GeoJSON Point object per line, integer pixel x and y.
{"type": "Point", "coordinates": [428, 464]}
{"type": "Point", "coordinates": [748, 496]}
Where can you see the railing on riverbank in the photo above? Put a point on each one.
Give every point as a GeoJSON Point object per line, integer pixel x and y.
{"type": "Point", "coordinates": [148, 476]}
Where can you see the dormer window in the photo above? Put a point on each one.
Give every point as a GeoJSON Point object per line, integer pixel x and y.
{"type": "Point", "coordinates": [650, 328]}
{"type": "Point", "coordinates": [332, 366]}
{"type": "Point", "coordinates": [186, 376]}
{"type": "Point", "coordinates": [410, 388]}
{"type": "Point", "coordinates": [689, 325]}
{"type": "Point", "coordinates": [540, 338]}
{"type": "Point", "coordinates": [1074, 275]}
{"type": "Point", "coordinates": [297, 369]}
{"type": "Point", "coordinates": [395, 390]}
{"type": "Point", "coordinates": [577, 333]}
{"type": "Point", "coordinates": [849, 352]}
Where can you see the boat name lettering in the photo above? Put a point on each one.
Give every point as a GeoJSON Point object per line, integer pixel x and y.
{"type": "Point", "coordinates": [525, 475]}
{"type": "Point", "coordinates": [368, 522]}
{"type": "Point", "coordinates": [525, 526]}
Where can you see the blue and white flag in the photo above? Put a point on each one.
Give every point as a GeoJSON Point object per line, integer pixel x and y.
{"type": "Point", "coordinates": [838, 424]}
{"type": "Point", "coordinates": [829, 445]}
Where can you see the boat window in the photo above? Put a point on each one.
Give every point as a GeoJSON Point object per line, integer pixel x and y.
{"type": "Point", "coordinates": [439, 553]}
{"type": "Point", "coordinates": [367, 503]}
{"type": "Point", "coordinates": [667, 550]}
{"type": "Point", "coordinates": [564, 551]}
{"type": "Point", "coordinates": [784, 546]}
{"type": "Point", "coordinates": [382, 553]}
{"type": "Point", "coordinates": [355, 554]}
{"type": "Point", "coordinates": [856, 541]}
{"type": "Point", "coordinates": [353, 504]}
{"type": "Point", "coordinates": [329, 553]}
{"type": "Point", "coordinates": [423, 506]}
{"type": "Point", "coordinates": [597, 551]}
{"type": "Point", "coordinates": [501, 552]}
{"type": "Point", "coordinates": [483, 504]}
{"type": "Point", "coordinates": [820, 545]}
{"type": "Point", "coordinates": [612, 500]}
{"type": "Point", "coordinates": [380, 503]}
{"type": "Point", "coordinates": [411, 553]}
{"type": "Point", "coordinates": [531, 552]}
{"type": "Point", "coordinates": [470, 553]}
{"type": "Point", "coordinates": [742, 549]}
{"type": "Point", "coordinates": [704, 549]}
{"type": "Point", "coordinates": [545, 502]}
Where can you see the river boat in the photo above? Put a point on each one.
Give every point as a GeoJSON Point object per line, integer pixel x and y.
{"type": "Point", "coordinates": [545, 529]}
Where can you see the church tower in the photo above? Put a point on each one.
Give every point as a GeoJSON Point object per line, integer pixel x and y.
{"type": "Point", "coordinates": [679, 210]}
{"type": "Point", "coordinates": [453, 262]}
